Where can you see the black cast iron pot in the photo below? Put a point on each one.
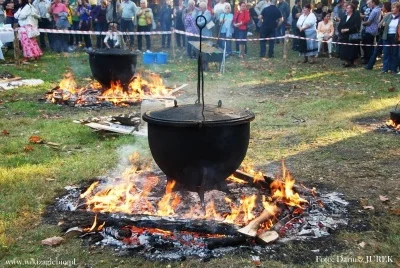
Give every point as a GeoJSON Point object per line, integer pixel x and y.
{"type": "Point", "coordinates": [197, 153]}
{"type": "Point", "coordinates": [395, 117]}
{"type": "Point", "coordinates": [112, 65]}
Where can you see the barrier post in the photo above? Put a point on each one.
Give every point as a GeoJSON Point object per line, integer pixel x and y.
{"type": "Point", "coordinates": [285, 47]}
{"type": "Point", "coordinates": [16, 48]}
{"type": "Point", "coordinates": [173, 42]}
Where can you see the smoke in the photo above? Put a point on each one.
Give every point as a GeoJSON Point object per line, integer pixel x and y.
{"type": "Point", "coordinates": [125, 154]}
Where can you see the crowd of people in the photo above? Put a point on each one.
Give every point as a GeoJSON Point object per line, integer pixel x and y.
{"type": "Point", "coordinates": [356, 28]}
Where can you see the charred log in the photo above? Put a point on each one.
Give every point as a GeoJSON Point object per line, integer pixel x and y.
{"type": "Point", "coordinates": [85, 219]}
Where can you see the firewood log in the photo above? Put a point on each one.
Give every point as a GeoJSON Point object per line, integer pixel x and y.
{"type": "Point", "coordinates": [252, 228]}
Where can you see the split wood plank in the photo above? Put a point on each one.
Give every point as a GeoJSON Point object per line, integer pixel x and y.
{"type": "Point", "coordinates": [112, 127]}
{"type": "Point", "coordinates": [10, 79]}
{"type": "Point", "coordinates": [177, 89]}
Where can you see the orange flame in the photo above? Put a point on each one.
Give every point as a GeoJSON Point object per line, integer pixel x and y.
{"type": "Point", "coordinates": [249, 169]}
{"type": "Point", "coordinates": [131, 194]}
{"type": "Point", "coordinates": [169, 201]}
{"type": "Point", "coordinates": [283, 189]}
{"type": "Point", "coordinates": [144, 84]}
{"type": "Point", "coordinates": [94, 225]}
{"type": "Point", "coordinates": [68, 83]}
{"type": "Point", "coordinates": [243, 212]}
{"type": "Point", "coordinates": [233, 179]}
{"type": "Point", "coordinates": [391, 123]}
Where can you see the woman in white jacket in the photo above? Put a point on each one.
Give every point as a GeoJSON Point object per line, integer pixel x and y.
{"type": "Point", "coordinates": [27, 16]}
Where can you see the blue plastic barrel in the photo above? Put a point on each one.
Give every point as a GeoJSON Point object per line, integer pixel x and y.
{"type": "Point", "coordinates": [162, 58]}
{"type": "Point", "coordinates": [149, 58]}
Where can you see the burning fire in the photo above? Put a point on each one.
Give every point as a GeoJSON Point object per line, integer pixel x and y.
{"type": "Point", "coordinates": [132, 194]}
{"type": "Point", "coordinates": [94, 226]}
{"type": "Point", "coordinates": [145, 84]}
{"type": "Point", "coordinates": [392, 124]}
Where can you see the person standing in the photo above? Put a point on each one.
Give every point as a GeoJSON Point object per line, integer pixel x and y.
{"type": "Point", "coordinates": [260, 6]}
{"type": "Point", "coordinates": [11, 6]}
{"type": "Point", "coordinates": [2, 16]}
{"type": "Point", "coordinates": [75, 39]}
{"type": "Point", "coordinates": [100, 21]}
{"type": "Point", "coordinates": [189, 20]}
{"type": "Point", "coordinates": [145, 22]}
{"type": "Point", "coordinates": [112, 39]}
{"type": "Point", "coordinates": [371, 29]}
{"type": "Point", "coordinates": [391, 53]}
{"type": "Point", "coordinates": [165, 20]}
{"type": "Point", "coordinates": [178, 23]}
{"type": "Point", "coordinates": [84, 22]}
{"type": "Point", "coordinates": [207, 14]}
{"type": "Point", "coordinates": [240, 21]}
{"type": "Point", "coordinates": [296, 13]}
{"type": "Point", "coordinates": [387, 14]}
{"type": "Point", "coordinates": [307, 27]}
{"type": "Point", "coordinates": [338, 12]}
{"type": "Point", "coordinates": [129, 10]}
{"type": "Point", "coordinates": [349, 24]}
{"type": "Point", "coordinates": [59, 10]}
{"type": "Point", "coordinates": [110, 12]}
{"type": "Point", "coordinates": [27, 17]}
{"type": "Point", "coordinates": [42, 7]}
{"type": "Point", "coordinates": [325, 32]}
{"type": "Point", "coordinates": [284, 8]}
{"type": "Point", "coordinates": [225, 20]}
{"type": "Point", "coordinates": [271, 20]}
{"type": "Point", "coordinates": [219, 9]}
{"type": "Point", "coordinates": [318, 12]}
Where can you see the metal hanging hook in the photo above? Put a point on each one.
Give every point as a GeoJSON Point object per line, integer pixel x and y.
{"type": "Point", "coordinates": [200, 74]}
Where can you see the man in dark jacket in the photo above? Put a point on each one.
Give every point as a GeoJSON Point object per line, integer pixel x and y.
{"type": "Point", "coordinates": [271, 20]}
{"type": "Point", "coordinates": [284, 8]}
{"type": "Point", "coordinates": [296, 13]}
{"type": "Point", "coordinates": [165, 21]}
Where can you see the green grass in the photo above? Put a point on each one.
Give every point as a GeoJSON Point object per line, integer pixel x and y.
{"type": "Point", "coordinates": [328, 149]}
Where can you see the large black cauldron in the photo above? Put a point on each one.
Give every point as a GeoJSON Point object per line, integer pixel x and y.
{"type": "Point", "coordinates": [198, 152]}
{"type": "Point", "coordinates": [112, 65]}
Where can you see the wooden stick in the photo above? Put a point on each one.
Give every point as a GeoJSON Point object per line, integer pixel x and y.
{"type": "Point", "coordinates": [173, 43]}
{"type": "Point", "coordinates": [176, 89]}
{"type": "Point", "coordinates": [268, 237]}
{"type": "Point", "coordinates": [252, 228]}
{"type": "Point", "coordinates": [16, 48]}
{"type": "Point", "coordinates": [285, 40]}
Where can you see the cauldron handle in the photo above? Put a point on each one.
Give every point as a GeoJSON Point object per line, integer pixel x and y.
{"type": "Point", "coordinates": [200, 74]}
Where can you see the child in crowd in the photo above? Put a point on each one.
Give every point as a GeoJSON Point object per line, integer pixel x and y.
{"type": "Point", "coordinates": [112, 39]}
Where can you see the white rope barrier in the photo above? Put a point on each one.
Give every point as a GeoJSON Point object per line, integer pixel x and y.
{"type": "Point", "coordinates": [197, 35]}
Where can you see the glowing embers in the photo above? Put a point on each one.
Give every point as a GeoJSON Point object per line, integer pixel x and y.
{"type": "Point", "coordinates": [144, 84]}
{"type": "Point", "coordinates": [143, 212]}
{"type": "Point", "coordinates": [139, 191]}
{"type": "Point", "coordinates": [391, 124]}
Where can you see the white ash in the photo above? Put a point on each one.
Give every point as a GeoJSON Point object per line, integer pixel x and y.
{"type": "Point", "coordinates": [315, 222]}
{"type": "Point", "coordinates": [388, 129]}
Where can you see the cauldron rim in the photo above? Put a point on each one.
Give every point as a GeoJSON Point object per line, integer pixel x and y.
{"type": "Point", "coordinates": [237, 117]}
{"type": "Point", "coordinates": [112, 52]}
